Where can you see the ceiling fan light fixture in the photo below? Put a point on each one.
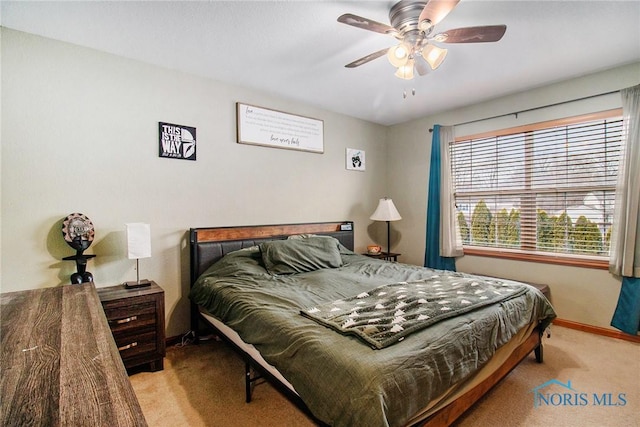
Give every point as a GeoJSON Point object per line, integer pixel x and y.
{"type": "Point", "coordinates": [398, 55]}
{"type": "Point", "coordinates": [405, 71]}
{"type": "Point", "coordinates": [413, 24]}
{"type": "Point", "coordinates": [434, 55]}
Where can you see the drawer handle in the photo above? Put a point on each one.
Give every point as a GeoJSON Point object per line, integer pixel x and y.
{"type": "Point", "coordinates": [128, 346]}
{"type": "Point", "coordinates": [126, 320]}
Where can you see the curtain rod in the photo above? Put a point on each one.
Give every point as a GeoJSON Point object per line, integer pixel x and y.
{"type": "Point", "coordinates": [533, 109]}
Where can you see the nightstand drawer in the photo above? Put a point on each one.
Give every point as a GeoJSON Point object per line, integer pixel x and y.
{"type": "Point", "coordinates": [125, 337]}
{"type": "Point", "coordinates": [127, 318]}
{"type": "Point", "coordinates": [134, 345]}
{"type": "Point", "coordinates": [124, 308]}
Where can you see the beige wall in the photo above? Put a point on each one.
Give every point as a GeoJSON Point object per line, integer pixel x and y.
{"type": "Point", "coordinates": [582, 295]}
{"type": "Point", "coordinates": [79, 134]}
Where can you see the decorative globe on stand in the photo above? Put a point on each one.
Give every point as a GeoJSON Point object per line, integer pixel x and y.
{"type": "Point", "coordinates": [78, 232]}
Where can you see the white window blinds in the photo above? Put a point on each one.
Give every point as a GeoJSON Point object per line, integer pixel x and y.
{"type": "Point", "coordinates": [543, 188]}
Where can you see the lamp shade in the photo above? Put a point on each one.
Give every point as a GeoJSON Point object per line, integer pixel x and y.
{"type": "Point", "coordinates": [398, 55]}
{"type": "Point", "coordinates": [434, 55]}
{"type": "Point", "coordinates": [406, 71]}
{"type": "Point", "coordinates": [138, 240]}
{"type": "Point", "coordinates": [386, 211]}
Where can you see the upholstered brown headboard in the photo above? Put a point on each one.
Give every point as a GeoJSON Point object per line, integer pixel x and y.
{"type": "Point", "coordinates": [210, 244]}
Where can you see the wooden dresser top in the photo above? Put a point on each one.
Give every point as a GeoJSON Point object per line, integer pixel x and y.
{"type": "Point", "coordinates": [59, 363]}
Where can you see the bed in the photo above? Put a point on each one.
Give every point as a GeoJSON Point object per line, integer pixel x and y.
{"type": "Point", "coordinates": [298, 304]}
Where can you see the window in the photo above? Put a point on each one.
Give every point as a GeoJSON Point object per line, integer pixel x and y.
{"type": "Point", "coordinates": [539, 191]}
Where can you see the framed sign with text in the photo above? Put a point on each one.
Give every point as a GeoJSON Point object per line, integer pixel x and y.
{"type": "Point", "coordinates": [271, 128]}
{"type": "Point", "coordinates": [176, 141]}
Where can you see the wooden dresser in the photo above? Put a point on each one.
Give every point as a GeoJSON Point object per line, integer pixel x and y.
{"type": "Point", "coordinates": [60, 365]}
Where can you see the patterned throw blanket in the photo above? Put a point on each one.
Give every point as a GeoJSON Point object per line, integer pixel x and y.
{"type": "Point", "coordinates": [387, 314]}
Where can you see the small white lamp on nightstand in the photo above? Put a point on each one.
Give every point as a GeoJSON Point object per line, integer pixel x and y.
{"type": "Point", "coordinates": [386, 211]}
{"type": "Point", "coordinates": [138, 246]}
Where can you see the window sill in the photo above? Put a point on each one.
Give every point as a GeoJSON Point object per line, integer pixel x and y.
{"type": "Point", "coordinates": [596, 263]}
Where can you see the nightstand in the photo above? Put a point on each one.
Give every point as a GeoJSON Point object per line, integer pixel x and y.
{"type": "Point", "coordinates": [136, 319]}
{"type": "Point", "coordinates": [387, 256]}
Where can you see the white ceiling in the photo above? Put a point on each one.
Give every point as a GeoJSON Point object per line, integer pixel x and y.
{"type": "Point", "coordinates": [297, 49]}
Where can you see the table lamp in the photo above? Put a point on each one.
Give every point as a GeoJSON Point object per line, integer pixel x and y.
{"type": "Point", "coordinates": [138, 246]}
{"type": "Point", "coordinates": [386, 211]}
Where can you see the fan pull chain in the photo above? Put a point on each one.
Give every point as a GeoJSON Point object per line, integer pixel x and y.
{"type": "Point", "coordinates": [413, 93]}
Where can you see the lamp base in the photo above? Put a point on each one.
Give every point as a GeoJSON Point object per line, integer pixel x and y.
{"type": "Point", "coordinates": [140, 284]}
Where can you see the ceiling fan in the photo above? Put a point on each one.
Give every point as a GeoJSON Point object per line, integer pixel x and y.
{"type": "Point", "coordinates": [412, 23]}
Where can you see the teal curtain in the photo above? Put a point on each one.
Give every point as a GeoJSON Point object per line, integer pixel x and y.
{"type": "Point", "coordinates": [627, 314]}
{"type": "Point", "coordinates": [432, 258]}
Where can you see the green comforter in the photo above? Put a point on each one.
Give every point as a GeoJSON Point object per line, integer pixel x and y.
{"type": "Point", "coordinates": [342, 380]}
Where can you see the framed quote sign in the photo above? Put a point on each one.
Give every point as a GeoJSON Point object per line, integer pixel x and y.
{"type": "Point", "coordinates": [176, 141]}
{"type": "Point", "coordinates": [271, 128]}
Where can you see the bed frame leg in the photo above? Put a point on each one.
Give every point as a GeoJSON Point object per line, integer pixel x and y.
{"type": "Point", "coordinates": [195, 322]}
{"type": "Point", "coordinates": [247, 381]}
{"type": "Point", "coordinates": [539, 350]}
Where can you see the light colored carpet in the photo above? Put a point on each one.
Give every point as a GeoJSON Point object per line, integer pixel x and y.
{"type": "Point", "coordinates": [204, 386]}
{"type": "Point", "coordinates": [593, 364]}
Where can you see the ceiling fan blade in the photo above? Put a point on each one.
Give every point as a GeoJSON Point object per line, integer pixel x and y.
{"type": "Point", "coordinates": [436, 10]}
{"type": "Point", "coordinates": [421, 65]}
{"type": "Point", "coordinates": [485, 34]}
{"type": "Point", "coordinates": [367, 58]}
{"type": "Point", "coordinates": [366, 24]}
